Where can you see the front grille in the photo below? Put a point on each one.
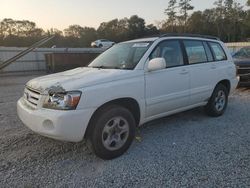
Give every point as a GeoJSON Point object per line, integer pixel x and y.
{"type": "Point", "coordinates": [32, 96]}
{"type": "Point", "coordinates": [243, 71]}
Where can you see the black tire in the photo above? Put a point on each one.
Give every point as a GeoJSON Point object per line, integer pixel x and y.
{"type": "Point", "coordinates": [100, 46]}
{"type": "Point", "coordinates": [212, 108]}
{"type": "Point", "coordinates": [96, 131]}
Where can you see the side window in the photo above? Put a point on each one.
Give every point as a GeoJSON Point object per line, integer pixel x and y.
{"type": "Point", "coordinates": [218, 52]}
{"type": "Point", "coordinates": [170, 51]}
{"type": "Point", "coordinates": [208, 52]}
{"type": "Point", "coordinates": [195, 51]}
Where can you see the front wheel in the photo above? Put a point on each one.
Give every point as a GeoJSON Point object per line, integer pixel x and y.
{"type": "Point", "coordinates": [112, 132]}
{"type": "Point", "coordinates": [217, 104]}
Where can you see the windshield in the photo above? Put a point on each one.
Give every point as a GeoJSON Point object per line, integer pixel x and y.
{"type": "Point", "coordinates": [121, 56]}
{"type": "Point", "coordinates": [243, 53]}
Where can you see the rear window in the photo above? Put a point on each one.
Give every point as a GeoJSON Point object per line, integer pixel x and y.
{"type": "Point", "coordinates": [195, 51]}
{"type": "Point", "coordinates": [218, 51]}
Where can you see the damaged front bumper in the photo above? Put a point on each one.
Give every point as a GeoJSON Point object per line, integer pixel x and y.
{"type": "Point", "coordinates": [56, 124]}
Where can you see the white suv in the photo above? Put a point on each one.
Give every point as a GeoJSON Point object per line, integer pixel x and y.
{"type": "Point", "coordinates": [128, 85]}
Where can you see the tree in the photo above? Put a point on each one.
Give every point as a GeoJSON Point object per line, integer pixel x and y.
{"type": "Point", "coordinates": [228, 16]}
{"type": "Point", "coordinates": [209, 22]}
{"type": "Point", "coordinates": [246, 22]}
{"type": "Point", "coordinates": [196, 19]}
{"type": "Point", "coordinates": [115, 30]}
{"type": "Point", "coordinates": [151, 30]}
{"type": "Point", "coordinates": [78, 36]}
{"type": "Point", "coordinates": [219, 16]}
{"type": "Point", "coordinates": [171, 13]}
{"type": "Point", "coordinates": [136, 27]}
{"type": "Point", "coordinates": [124, 29]}
{"type": "Point", "coordinates": [8, 26]}
{"type": "Point", "coordinates": [88, 35]}
{"type": "Point", "coordinates": [19, 32]}
{"type": "Point", "coordinates": [54, 31]}
{"type": "Point", "coordinates": [228, 20]}
{"type": "Point", "coordinates": [184, 6]}
{"type": "Point", "coordinates": [73, 31]}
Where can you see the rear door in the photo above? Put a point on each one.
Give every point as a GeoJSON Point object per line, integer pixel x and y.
{"type": "Point", "coordinates": [221, 67]}
{"type": "Point", "coordinates": [201, 70]}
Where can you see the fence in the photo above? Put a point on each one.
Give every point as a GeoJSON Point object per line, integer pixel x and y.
{"type": "Point", "coordinates": [35, 60]}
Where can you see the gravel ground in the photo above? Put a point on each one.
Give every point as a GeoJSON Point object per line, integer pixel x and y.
{"type": "Point", "coordinates": [185, 150]}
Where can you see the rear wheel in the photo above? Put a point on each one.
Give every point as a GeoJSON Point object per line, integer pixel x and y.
{"type": "Point", "coordinates": [112, 132]}
{"type": "Point", "coordinates": [217, 104]}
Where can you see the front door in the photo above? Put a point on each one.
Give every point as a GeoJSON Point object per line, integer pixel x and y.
{"type": "Point", "coordinates": [168, 89]}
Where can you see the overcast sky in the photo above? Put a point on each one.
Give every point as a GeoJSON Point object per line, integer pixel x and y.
{"type": "Point", "coordinates": [62, 13]}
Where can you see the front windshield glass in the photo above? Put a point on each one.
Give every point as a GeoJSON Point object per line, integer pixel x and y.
{"type": "Point", "coordinates": [121, 56]}
{"type": "Point", "coordinates": [243, 53]}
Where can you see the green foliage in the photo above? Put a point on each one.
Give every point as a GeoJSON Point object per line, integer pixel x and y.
{"type": "Point", "coordinates": [171, 13]}
{"type": "Point", "coordinates": [228, 20]}
{"type": "Point", "coordinates": [19, 33]}
{"type": "Point", "coordinates": [136, 27]}
{"type": "Point", "coordinates": [177, 15]}
{"type": "Point", "coordinates": [184, 6]}
{"type": "Point", "coordinates": [117, 30]}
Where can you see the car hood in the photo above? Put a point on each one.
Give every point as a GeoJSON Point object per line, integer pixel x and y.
{"type": "Point", "coordinates": [77, 79]}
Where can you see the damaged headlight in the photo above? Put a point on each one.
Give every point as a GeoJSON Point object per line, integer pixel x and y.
{"type": "Point", "coordinates": [62, 101]}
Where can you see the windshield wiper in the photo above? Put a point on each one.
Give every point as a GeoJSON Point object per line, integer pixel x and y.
{"type": "Point", "coordinates": [111, 67]}
{"type": "Point", "coordinates": [98, 67]}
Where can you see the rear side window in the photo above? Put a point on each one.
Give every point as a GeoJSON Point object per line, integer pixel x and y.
{"type": "Point", "coordinates": [218, 51]}
{"type": "Point", "coordinates": [171, 51]}
{"type": "Point", "coordinates": [195, 51]}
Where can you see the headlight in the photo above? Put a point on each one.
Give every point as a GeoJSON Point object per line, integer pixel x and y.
{"type": "Point", "coordinates": [63, 101]}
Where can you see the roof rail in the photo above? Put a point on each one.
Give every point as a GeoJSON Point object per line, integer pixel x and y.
{"type": "Point", "coordinates": [189, 35]}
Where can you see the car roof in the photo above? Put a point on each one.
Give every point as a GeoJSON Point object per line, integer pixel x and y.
{"type": "Point", "coordinates": [151, 39]}
{"type": "Point", "coordinates": [177, 36]}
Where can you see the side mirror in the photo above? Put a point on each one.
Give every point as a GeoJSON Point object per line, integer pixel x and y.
{"type": "Point", "coordinates": [156, 64]}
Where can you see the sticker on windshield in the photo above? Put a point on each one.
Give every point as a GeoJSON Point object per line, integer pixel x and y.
{"type": "Point", "coordinates": [140, 45]}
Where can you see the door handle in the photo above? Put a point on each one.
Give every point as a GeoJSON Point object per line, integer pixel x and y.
{"type": "Point", "coordinates": [184, 71]}
{"type": "Point", "coordinates": [213, 67]}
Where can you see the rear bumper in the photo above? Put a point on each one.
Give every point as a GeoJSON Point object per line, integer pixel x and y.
{"type": "Point", "coordinates": [60, 125]}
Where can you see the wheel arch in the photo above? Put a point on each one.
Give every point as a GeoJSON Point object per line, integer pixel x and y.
{"type": "Point", "coordinates": [129, 103]}
{"type": "Point", "coordinates": [226, 83]}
